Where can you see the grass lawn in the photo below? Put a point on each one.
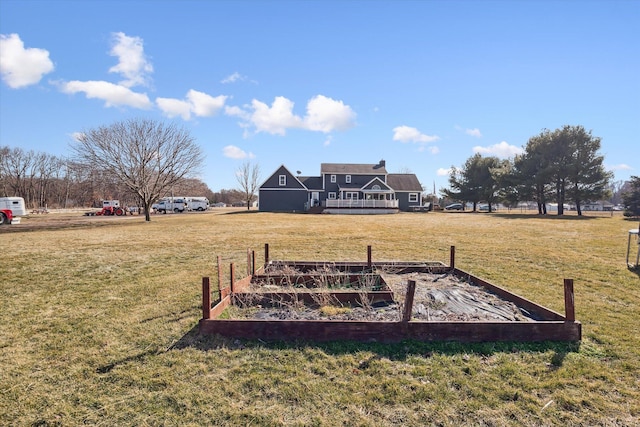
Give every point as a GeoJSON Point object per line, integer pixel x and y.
{"type": "Point", "coordinates": [98, 325]}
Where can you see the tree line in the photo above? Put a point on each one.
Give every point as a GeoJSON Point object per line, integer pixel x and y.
{"type": "Point", "coordinates": [58, 182]}
{"type": "Point", "coordinates": [562, 166]}
{"type": "Point", "coordinates": [135, 161]}
{"type": "Point", "coordinates": [45, 180]}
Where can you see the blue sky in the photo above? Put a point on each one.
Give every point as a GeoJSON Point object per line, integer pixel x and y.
{"type": "Point", "coordinates": [421, 84]}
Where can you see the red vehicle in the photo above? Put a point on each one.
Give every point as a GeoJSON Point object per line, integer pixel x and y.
{"type": "Point", "coordinates": [6, 216]}
{"type": "Point", "coordinates": [11, 208]}
{"type": "Point", "coordinates": [109, 207]}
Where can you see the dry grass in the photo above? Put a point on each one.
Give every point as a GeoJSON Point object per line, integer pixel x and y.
{"type": "Point", "coordinates": [98, 326]}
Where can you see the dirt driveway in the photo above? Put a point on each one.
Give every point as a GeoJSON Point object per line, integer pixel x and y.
{"type": "Point", "coordinates": [55, 220]}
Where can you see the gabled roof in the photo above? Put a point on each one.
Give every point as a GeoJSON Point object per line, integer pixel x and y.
{"type": "Point", "coordinates": [311, 182]}
{"type": "Point", "coordinates": [376, 185]}
{"type": "Point", "coordinates": [272, 181]}
{"type": "Point", "coordinates": [353, 169]}
{"type": "Point", "coordinates": [404, 182]}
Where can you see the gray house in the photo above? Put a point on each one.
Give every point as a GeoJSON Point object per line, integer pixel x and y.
{"type": "Point", "coordinates": [341, 188]}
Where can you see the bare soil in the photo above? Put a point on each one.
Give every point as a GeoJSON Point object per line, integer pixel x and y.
{"type": "Point", "coordinates": [438, 297]}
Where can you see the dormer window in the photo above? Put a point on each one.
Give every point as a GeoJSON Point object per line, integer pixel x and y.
{"type": "Point", "coordinates": [282, 180]}
{"type": "Point", "coordinates": [348, 179]}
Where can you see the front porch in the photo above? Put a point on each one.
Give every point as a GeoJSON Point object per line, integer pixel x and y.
{"type": "Point", "coordinates": [360, 206]}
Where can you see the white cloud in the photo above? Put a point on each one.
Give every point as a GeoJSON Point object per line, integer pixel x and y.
{"type": "Point", "coordinates": [233, 152]}
{"type": "Point", "coordinates": [132, 65]}
{"type": "Point", "coordinates": [204, 105]}
{"type": "Point", "coordinates": [22, 67]}
{"type": "Point", "coordinates": [172, 107]}
{"type": "Point", "coordinates": [621, 167]}
{"type": "Point", "coordinates": [323, 115]}
{"type": "Point", "coordinates": [77, 136]}
{"type": "Point", "coordinates": [326, 115]}
{"type": "Point", "coordinates": [112, 94]}
{"type": "Point", "coordinates": [443, 172]}
{"type": "Point", "coordinates": [198, 103]}
{"type": "Point", "coordinates": [411, 134]}
{"type": "Point", "coordinates": [235, 77]}
{"type": "Point", "coordinates": [235, 111]}
{"type": "Point", "coordinates": [275, 119]}
{"type": "Point", "coordinates": [474, 132]}
{"type": "Point", "coordinates": [502, 150]}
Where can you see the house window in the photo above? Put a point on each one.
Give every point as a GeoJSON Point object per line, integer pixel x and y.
{"type": "Point", "coordinates": [348, 179]}
{"type": "Point", "coordinates": [332, 195]}
{"type": "Point", "coordinates": [282, 180]}
{"type": "Point", "coordinates": [351, 195]}
{"type": "Point", "coordinates": [413, 197]}
{"type": "Point", "coordinates": [333, 179]}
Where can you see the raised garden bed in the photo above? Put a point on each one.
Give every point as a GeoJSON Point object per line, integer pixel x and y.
{"type": "Point", "coordinates": [376, 301]}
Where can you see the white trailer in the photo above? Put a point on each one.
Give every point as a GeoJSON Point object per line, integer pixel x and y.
{"type": "Point", "coordinates": [11, 209]}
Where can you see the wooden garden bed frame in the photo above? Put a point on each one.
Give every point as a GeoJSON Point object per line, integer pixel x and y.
{"type": "Point", "coordinates": [552, 326]}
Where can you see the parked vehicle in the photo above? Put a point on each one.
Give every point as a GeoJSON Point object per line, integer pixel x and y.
{"type": "Point", "coordinates": [197, 203]}
{"type": "Point", "coordinates": [171, 204]}
{"type": "Point", "coordinates": [454, 207]}
{"type": "Point", "coordinates": [11, 209]}
{"type": "Point", "coordinates": [109, 207]}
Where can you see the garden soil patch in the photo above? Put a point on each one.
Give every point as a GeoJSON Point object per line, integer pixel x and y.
{"type": "Point", "coordinates": [438, 297]}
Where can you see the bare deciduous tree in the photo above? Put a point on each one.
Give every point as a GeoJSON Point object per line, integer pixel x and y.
{"type": "Point", "coordinates": [146, 156]}
{"type": "Point", "coordinates": [248, 177]}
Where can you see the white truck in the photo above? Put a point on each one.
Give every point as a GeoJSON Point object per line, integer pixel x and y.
{"type": "Point", "coordinates": [197, 203]}
{"type": "Point", "coordinates": [171, 204]}
{"type": "Point", "coordinates": [11, 209]}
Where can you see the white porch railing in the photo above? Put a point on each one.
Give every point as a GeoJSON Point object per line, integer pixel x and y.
{"type": "Point", "coordinates": [361, 203]}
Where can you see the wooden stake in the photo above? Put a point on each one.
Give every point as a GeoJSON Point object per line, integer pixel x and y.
{"type": "Point", "coordinates": [232, 275]}
{"type": "Point", "coordinates": [206, 298]}
{"type": "Point", "coordinates": [569, 307]}
{"type": "Point", "coordinates": [248, 262]}
{"type": "Point", "coordinates": [408, 301]}
{"type": "Point", "coordinates": [452, 257]}
{"type": "Point", "coordinates": [369, 257]}
{"type": "Point", "coordinates": [253, 262]}
{"type": "Point", "coordinates": [219, 277]}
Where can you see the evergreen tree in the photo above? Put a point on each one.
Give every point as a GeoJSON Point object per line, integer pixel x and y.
{"type": "Point", "coordinates": [631, 198]}
{"type": "Point", "coordinates": [588, 178]}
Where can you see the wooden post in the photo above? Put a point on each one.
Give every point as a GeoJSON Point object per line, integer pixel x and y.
{"type": "Point", "coordinates": [452, 257]}
{"type": "Point", "coordinates": [253, 262]}
{"type": "Point", "coordinates": [408, 301]}
{"type": "Point", "coordinates": [266, 254]}
{"type": "Point", "coordinates": [232, 275]}
{"type": "Point", "coordinates": [220, 286]}
{"type": "Point", "coordinates": [569, 307]}
{"type": "Point", "coordinates": [369, 257]}
{"type": "Point", "coordinates": [248, 262]}
{"type": "Point", "coordinates": [206, 298]}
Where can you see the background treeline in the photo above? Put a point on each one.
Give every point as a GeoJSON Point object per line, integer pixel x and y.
{"type": "Point", "coordinates": [562, 166]}
{"type": "Point", "coordinates": [45, 180]}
